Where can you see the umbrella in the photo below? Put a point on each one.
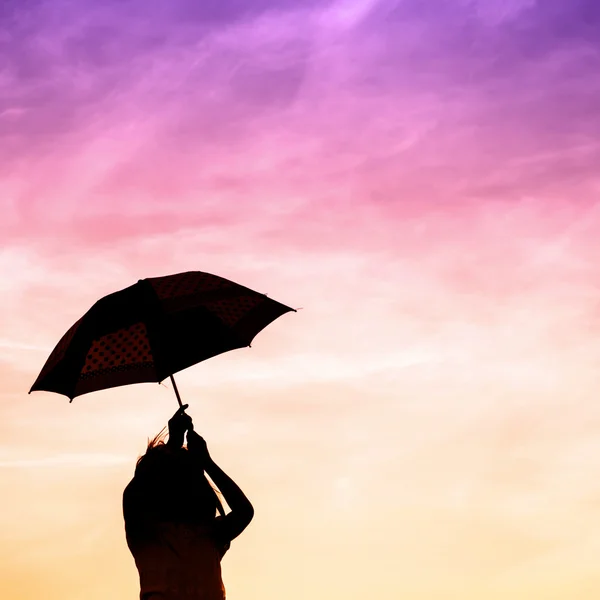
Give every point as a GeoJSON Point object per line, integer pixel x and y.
{"type": "Point", "coordinates": [153, 329]}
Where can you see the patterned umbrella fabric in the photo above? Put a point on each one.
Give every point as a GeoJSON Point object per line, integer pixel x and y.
{"type": "Point", "coordinates": [153, 329]}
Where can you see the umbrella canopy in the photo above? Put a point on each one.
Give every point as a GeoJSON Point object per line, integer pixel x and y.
{"type": "Point", "coordinates": [153, 329]}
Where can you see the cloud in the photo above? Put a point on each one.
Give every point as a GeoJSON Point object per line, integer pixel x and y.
{"type": "Point", "coordinates": [16, 345]}
{"type": "Point", "coordinates": [64, 461]}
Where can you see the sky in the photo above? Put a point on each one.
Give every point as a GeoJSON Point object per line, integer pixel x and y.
{"type": "Point", "coordinates": [420, 179]}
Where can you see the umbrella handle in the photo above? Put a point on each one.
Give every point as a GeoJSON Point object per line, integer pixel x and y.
{"type": "Point", "coordinates": [176, 391]}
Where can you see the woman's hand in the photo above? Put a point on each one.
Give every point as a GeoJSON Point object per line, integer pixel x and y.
{"type": "Point", "coordinates": [179, 423]}
{"type": "Point", "coordinates": [197, 446]}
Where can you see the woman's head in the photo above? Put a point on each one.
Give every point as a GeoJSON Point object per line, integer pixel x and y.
{"type": "Point", "coordinates": [175, 488]}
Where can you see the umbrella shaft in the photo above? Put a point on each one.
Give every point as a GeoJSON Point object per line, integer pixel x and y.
{"type": "Point", "coordinates": [176, 390]}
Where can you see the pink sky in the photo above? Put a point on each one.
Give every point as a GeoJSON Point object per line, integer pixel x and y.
{"type": "Point", "coordinates": [420, 178]}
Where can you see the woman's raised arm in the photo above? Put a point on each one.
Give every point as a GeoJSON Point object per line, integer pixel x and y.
{"type": "Point", "coordinates": [242, 511]}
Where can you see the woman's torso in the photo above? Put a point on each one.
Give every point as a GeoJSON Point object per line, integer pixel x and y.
{"type": "Point", "coordinates": [178, 562]}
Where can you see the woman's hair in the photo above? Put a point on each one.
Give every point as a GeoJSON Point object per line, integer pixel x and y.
{"type": "Point", "coordinates": [173, 487]}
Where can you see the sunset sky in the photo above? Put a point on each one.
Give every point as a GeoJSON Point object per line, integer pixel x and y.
{"type": "Point", "coordinates": [420, 177]}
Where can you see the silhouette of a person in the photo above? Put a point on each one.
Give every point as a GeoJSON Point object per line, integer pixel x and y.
{"type": "Point", "coordinates": [171, 523]}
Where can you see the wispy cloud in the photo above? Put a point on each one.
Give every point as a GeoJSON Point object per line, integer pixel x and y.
{"type": "Point", "coordinates": [64, 461]}
{"type": "Point", "coordinates": [16, 345]}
